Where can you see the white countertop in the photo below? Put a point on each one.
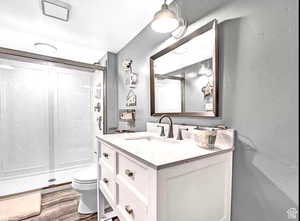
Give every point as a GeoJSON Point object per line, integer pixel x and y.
{"type": "Point", "coordinates": [158, 156]}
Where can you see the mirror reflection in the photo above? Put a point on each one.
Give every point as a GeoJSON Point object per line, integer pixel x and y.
{"type": "Point", "coordinates": [184, 77]}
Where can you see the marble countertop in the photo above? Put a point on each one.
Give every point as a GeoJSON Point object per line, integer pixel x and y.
{"type": "Point", "coordinates": [158, 156]}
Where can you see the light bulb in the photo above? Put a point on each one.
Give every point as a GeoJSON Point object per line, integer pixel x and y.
{"type": "Point", "coordinates": [165, 20]}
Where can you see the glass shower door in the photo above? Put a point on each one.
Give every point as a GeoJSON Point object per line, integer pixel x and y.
{"type": "Point", "coordinates": [24, 119]}
{"type": "Point", "coordinates": [72, 118]}
{"type": "Point", "coordinates": [45, 124]}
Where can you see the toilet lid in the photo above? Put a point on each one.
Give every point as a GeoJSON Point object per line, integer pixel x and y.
{"type": "Point", "coordinates": [86, 175]}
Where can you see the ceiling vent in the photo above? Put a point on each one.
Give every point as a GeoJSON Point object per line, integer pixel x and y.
{"type": "Point", "coordinates": [56, 9]}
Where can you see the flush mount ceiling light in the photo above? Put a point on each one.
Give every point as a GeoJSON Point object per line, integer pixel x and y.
{"type": "Point", "coordinates": [165, 20]}
{"type": "Point", "coordinates": [6, 67]}
{"type": "Point", "coordinates": [56, 9]}
{"type": "Point", "coordinates": [45, 48]}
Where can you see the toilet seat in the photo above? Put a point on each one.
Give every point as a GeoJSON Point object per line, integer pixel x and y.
{"type": "Point", "coordinates": [86, 176]}
{"type": "Point", "coordinates": [85, 182]}
{"type": "Point", "coordinates": [84, 186]}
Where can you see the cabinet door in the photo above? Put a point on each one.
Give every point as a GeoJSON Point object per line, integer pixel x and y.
{"type": "Point", "coordinates": [197, 190]}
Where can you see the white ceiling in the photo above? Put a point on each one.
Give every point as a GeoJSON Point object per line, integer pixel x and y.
{"type": "Point", "coordinates": [95, 26]}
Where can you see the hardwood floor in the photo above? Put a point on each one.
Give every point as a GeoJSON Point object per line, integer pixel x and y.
{"type": "Point", "coordinates": [61, 206]}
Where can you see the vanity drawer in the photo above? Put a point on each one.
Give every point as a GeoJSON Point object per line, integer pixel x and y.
{"type": "Point", "coordinates": [107, 183]}
{"type": "Point", "coordinates": [108, 156]}
{"type": "Point", "coordinates": [134, 176]}
{"type": "Point", "coordinates": [131, 208]}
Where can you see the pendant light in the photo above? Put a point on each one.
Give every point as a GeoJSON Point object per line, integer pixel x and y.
{"type": "Point", "coordinates": [165, 20]}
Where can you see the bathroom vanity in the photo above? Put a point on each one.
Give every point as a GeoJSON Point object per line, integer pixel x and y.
{"type": "Point", "coordinates": [146, 177]}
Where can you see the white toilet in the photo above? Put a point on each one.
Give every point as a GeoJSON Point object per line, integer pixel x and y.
{"type": "Point", "coordinates": [85, 182]}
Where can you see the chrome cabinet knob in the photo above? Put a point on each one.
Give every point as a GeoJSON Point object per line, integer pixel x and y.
{"type": "Point", "coordinates": [105, 180]}
{"type": "Point", "coordinates": [129, 210]}
{"type": "Point", "coordinates": [129, 173]}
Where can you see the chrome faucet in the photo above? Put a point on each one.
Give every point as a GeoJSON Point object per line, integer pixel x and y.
{"type": "Point", "coordinates": [170, 133]}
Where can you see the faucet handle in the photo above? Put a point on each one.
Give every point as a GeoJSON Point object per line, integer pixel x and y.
{"type": "Point", "coordinates": [162, 130]}
{"type": "Point", "coordinates": [179, 134]}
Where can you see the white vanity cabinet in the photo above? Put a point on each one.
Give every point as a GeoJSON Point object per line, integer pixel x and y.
{"type": "Point", "coordinates": [196, 189]}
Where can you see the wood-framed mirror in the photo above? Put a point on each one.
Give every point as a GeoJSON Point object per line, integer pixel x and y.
{"type": "Point", "coordinates": [184, 77]}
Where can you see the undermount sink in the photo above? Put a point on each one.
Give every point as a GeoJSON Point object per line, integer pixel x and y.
{"type": "Point", "coordinates": [151, 140]}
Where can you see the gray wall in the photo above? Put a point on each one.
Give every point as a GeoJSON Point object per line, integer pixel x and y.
{"type": "Point", "coordinates": [259, 97]}
{"type": "Point", "coordinates": [111, 112]}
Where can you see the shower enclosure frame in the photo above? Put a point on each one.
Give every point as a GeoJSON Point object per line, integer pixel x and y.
{"type": "Point", "coordinates": [19, 55]}
{"type": "Point", "coordinates": [42, 59]}
{"type": "Point", "coordinates": [59, 62]}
